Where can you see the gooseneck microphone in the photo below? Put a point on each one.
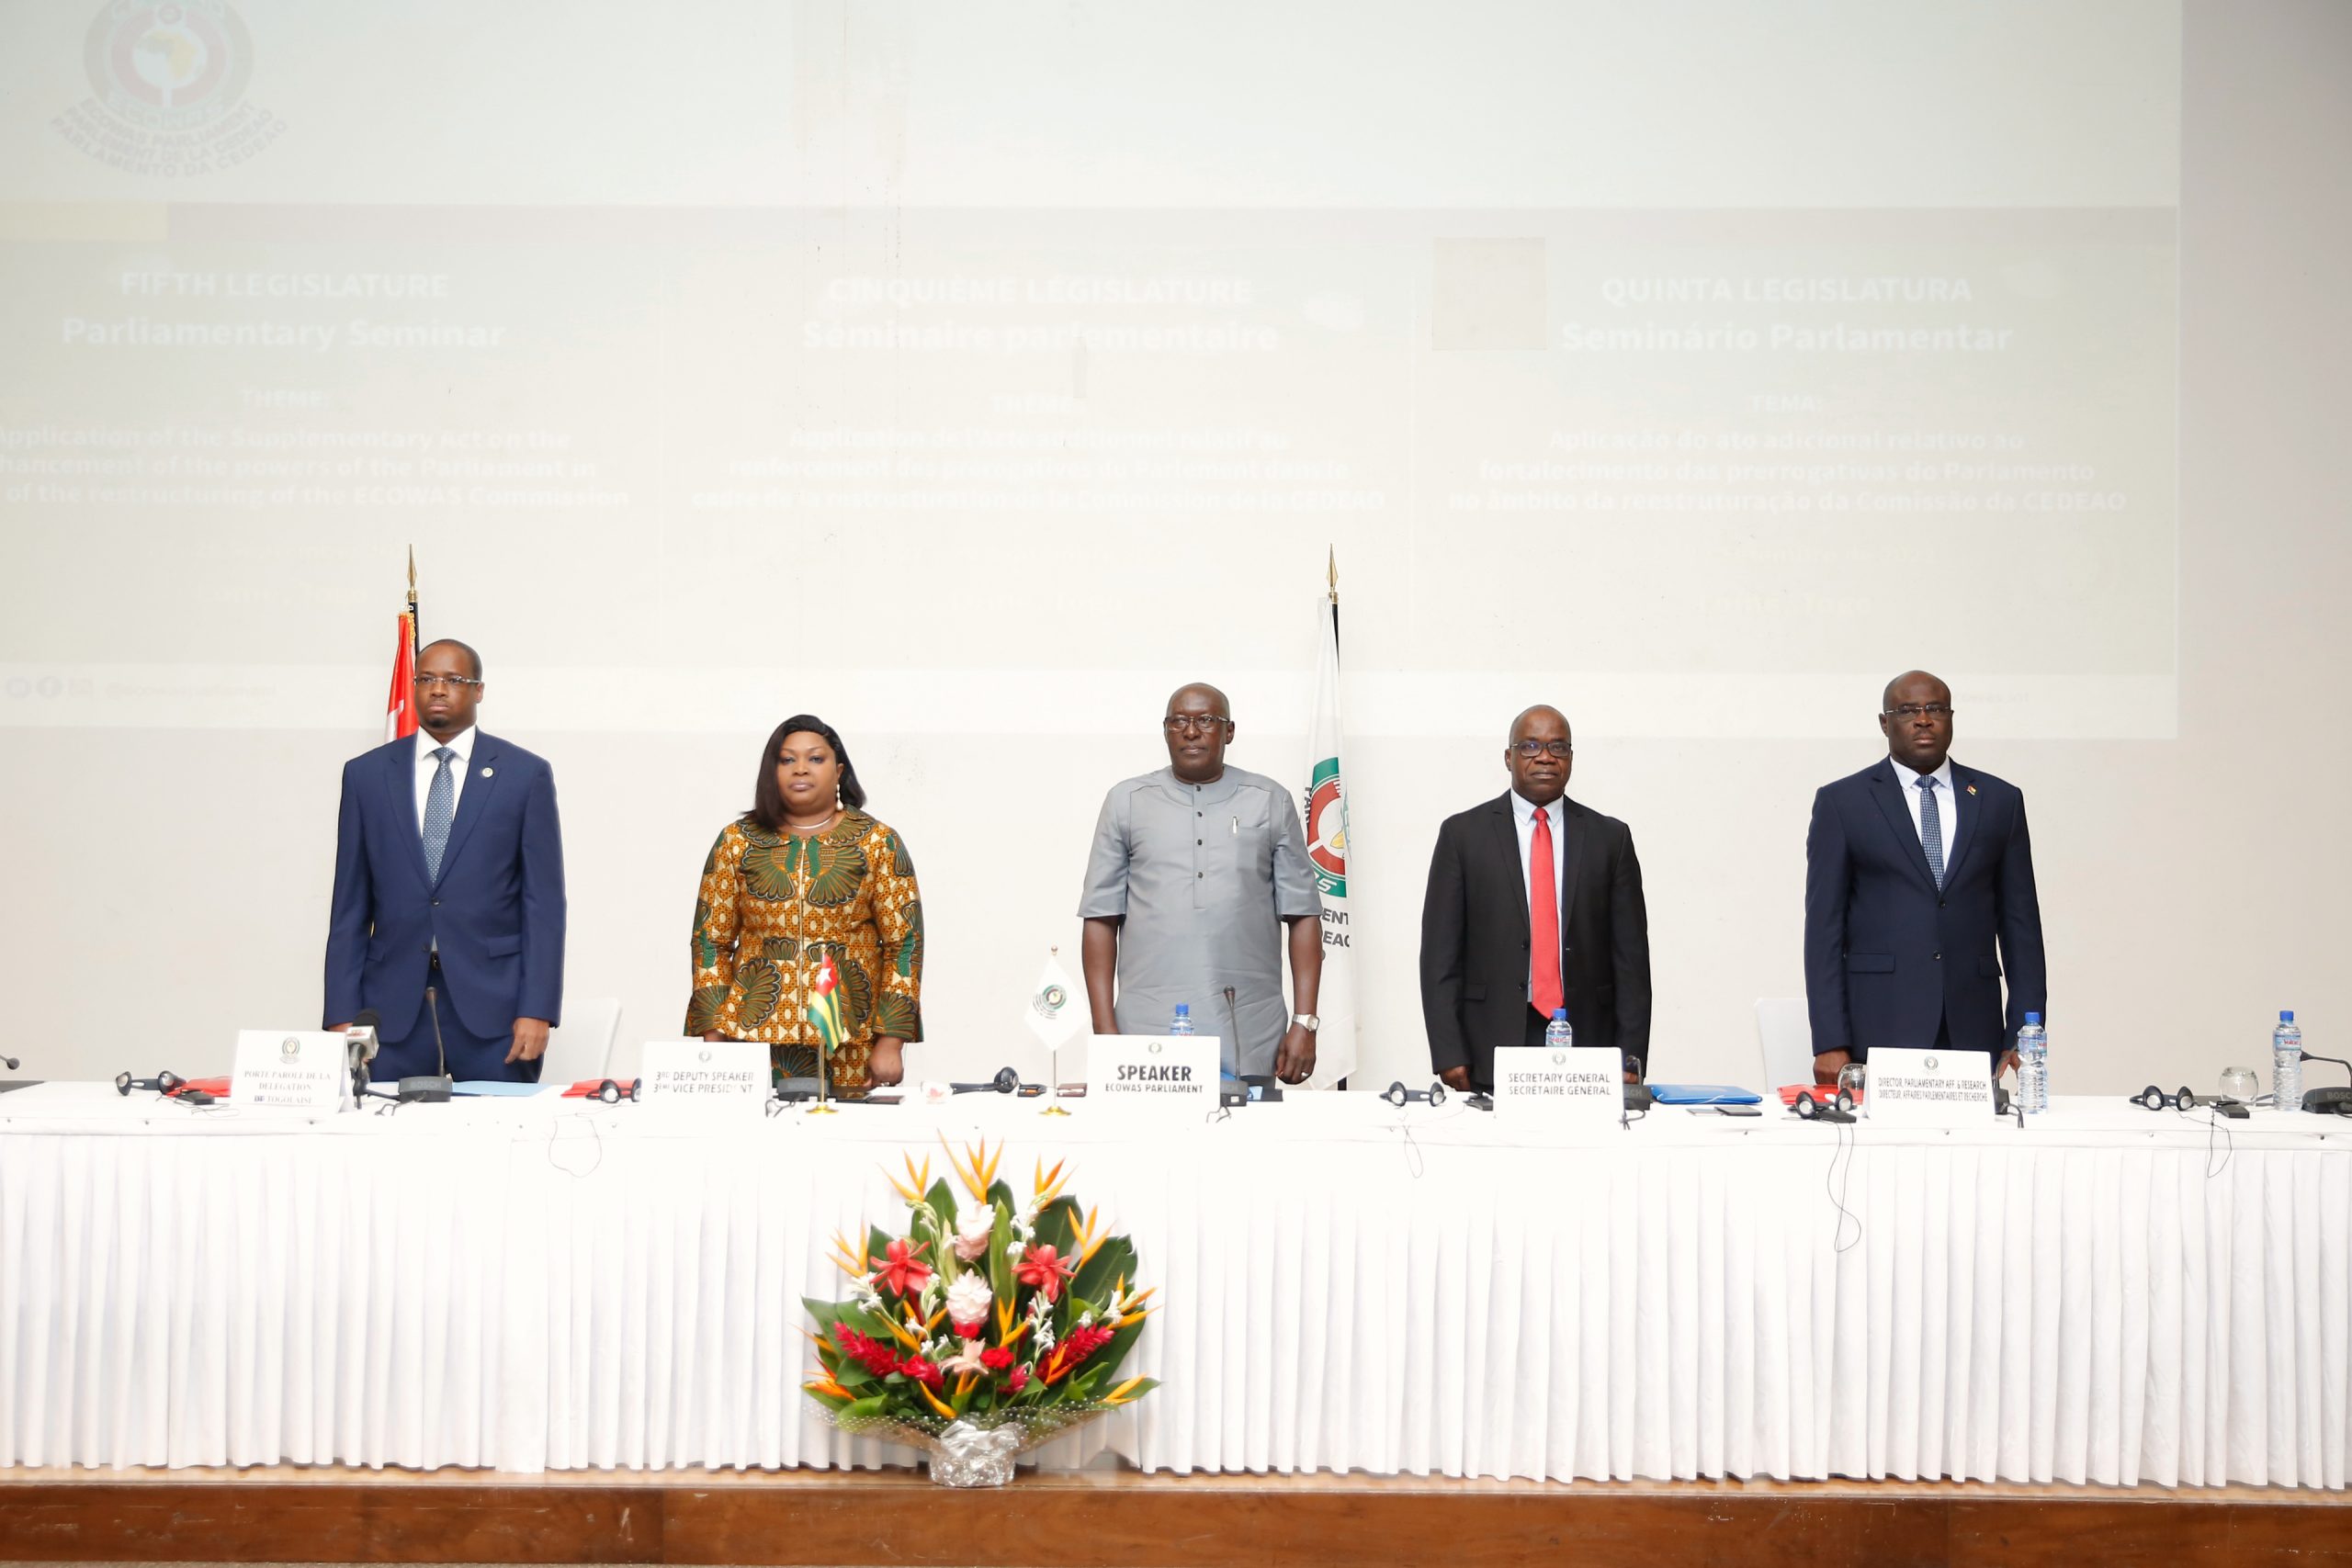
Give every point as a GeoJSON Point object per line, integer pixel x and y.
{"type": "Point", "coordinates": [10, 1063]}
{"type": "Point", "coordinates": [433, 1089]}
{"type": "Point", "coordinates": [433, 1011]}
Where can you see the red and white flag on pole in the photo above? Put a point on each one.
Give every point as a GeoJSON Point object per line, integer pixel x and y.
{"type": "Point", "coordinates": [400, 707]}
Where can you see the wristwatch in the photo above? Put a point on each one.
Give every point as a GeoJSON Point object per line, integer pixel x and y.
{"type": "Point", "coordinates": [1307, 1021]}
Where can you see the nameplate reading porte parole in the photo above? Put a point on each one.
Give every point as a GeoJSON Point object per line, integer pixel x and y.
{"type": "Point", "coordinates": [1537, 1083]}
{"type": "Point", "coordinates": [1928, 1089]}
{"type": "Point", "coordinates": [305, 1071]}
{"type": "Point", "coordinates": [1167, 1072]}
{"type": "Point", "coordinates": [719, 1079]}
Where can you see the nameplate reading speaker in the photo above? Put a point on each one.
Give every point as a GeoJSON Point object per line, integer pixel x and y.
{"type": "Point", "coordinates": [305, 1071]}
{"type": "Point", "coordinates": [1537, 1083]}
{"type": "Point", "coordinates": [1928, 1089]}
{"type": "Point", "coordinates": [719, 1079]}
{"type": "Point", "coordinates": [1166, 1072]}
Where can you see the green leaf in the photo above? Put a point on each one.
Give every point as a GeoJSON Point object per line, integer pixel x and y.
{"type": "Point", "coordinates": [877, 1405]}
{"type": "Point", "coordinates": [1057, 1225]}
{"type": "Point", "coordinates": [1114, 1350]}
{"type": "Point", "coordinates": [999, 1241]}
{"type": "Point", "coordinates": [1113, 1261]}
{"type": "Point", "coordinates": [942, 1198]}
{"type": "Point", "coordinates": [871, 1324]}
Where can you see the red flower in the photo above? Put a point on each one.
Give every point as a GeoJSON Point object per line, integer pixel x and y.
{"type": "Point", "coordinates": [905, 1271]}
{"type": "Point", "coordinates": [871, 1354]}
{"type": "Point", "coordinates": [1040, 1266]}
{"type": "Point", "coordinates": [1081, 1343]}
{"type": "Point", "coordinates": [1018, 1381]}
{"type": "Point", "coordinates": [921, 1371]}
{"type": "Point", "coordinates": [996, 1360]}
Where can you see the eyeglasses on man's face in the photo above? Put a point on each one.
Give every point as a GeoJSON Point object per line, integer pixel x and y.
{"type": "Point", "coordinates": [454, 683]}
{"type": "Point", "coordinates": [1907, 712]}
{"type": "Point", "coordinates": [1531, 749]}
{"type": "Point", "coordinates": [1184, 723]}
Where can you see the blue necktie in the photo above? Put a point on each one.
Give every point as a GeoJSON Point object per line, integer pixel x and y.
{"type": "Point", "coordinates": [440, 805]}
{"type": "Point", "coordinates": [1932, 830]}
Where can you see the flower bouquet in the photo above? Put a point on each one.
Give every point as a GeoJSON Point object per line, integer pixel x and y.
{"type": "Point", "coordinates": [986, 1328]}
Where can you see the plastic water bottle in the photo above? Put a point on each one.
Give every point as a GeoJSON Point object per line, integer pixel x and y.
{"type": "Point", "coordinates": [2287, 1062]}
{"type": "Point", "coordinates": [2033, 1066]}
{"type": "Point", "coordinates": [1183, 1022]}
{"type": "Point", "coordinates": [1557, 1035]}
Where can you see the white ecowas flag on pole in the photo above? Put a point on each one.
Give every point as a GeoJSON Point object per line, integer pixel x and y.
{"type": "Point", "coordinates": [1327, 848]}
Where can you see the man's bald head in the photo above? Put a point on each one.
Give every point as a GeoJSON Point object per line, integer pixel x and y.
{"type": "Point", "coordinates": [1527, 715]}
{"type": "Point", "coordinates": [1887, 699]}
{"type": "Point", "coordinates": [1178, 699]}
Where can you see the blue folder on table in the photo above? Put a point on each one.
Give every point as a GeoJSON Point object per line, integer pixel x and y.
{"type": "Point", "coordinates": [1703, 1094]}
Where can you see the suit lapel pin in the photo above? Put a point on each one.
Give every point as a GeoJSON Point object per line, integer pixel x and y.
{"type": "Point", "coordinates": [1972, 788]}
{"type": "Point", "coordinates": [487, 772]}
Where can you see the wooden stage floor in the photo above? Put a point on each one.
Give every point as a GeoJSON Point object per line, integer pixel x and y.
{"type": "Point", "coordinates": [896, 1516]}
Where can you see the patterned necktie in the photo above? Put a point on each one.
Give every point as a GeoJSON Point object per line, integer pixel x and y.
{"type": "Point", "coordinates": [1932, 830]}
{"type": "Point", "coordinates": [1543, 922]}
{"type": "Point", "coordinates": [440, 805]}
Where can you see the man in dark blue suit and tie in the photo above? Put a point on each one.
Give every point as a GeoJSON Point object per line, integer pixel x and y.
{"type": "Point", "coordinates": [1914, 869]}
{"type": "Point", "coordinates": [448, 880]}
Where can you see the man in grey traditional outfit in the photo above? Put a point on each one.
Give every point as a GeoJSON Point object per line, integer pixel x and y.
{"type": "Point", "coordinates": [1194, 866]}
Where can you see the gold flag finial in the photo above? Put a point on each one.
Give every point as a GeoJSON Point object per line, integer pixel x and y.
{"type": "Point", "coordinates": [1335, 572]}
{"type": "Point", "coordinates": [412, 577]}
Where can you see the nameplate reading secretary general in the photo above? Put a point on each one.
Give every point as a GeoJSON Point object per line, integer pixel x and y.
{"type": "Point", "coordinates": [448, 875]}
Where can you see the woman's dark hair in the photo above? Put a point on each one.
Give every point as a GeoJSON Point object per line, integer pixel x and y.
{"type": "Point", "coordinates": [767, 798]}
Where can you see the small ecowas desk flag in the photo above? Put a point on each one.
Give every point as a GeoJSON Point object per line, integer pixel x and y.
{"type": "Point", "coordinates": [1327, 848]}
{"type": "Point", "coordinates": [1056, 1014]}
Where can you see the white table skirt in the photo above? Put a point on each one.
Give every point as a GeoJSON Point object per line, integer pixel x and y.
{"type": "Point", "coordinates": [2117, 1297]}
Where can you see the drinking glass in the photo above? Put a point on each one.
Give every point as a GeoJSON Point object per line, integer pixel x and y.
{"type": "Point", "coordinates": [2241, 1083]}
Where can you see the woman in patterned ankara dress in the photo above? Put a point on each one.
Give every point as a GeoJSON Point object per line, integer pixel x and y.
{"type": "Point", "coordinates": [803, 874]}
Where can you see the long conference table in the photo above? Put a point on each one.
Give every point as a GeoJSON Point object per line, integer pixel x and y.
{"type": "Point", "coordinates": [2115, 1296]}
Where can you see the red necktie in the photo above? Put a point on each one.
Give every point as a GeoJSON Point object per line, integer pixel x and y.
{"type": "Point", "coordinates": [1544, 921]}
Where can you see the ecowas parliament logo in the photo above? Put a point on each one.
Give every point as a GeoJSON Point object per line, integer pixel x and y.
{"type": "Point", "coordinates": [167, 83]}
{"type": "Point", "coordinates": [1326, 830]}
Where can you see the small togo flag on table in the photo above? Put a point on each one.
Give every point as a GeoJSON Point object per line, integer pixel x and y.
{"type": "Point", "coordinates": [825, 1005]}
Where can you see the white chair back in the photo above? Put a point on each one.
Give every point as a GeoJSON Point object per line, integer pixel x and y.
{"type": "Point", "coordinates": [1784, 1038]}
{"type": "Point", "coordinates": [582, 1046]}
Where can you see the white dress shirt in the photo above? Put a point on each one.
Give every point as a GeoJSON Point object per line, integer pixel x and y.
{"type": "Point", "coordinates": [427, 766]}
{"type": "Point", "coordinates": [1522, 812]}
{"type": "Point", "coordinates": [1947, 804]}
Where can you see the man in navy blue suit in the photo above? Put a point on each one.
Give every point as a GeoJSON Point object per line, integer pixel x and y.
{"type": "Point", "coordinates": [1914, 869]}
{"type": "Point", "coordinates": [448, 880]}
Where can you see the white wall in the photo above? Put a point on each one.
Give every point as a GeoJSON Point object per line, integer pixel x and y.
{"type": "Point", "coordinates": [2149, 200]}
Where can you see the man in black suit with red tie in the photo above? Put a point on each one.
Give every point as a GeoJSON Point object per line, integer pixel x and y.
{"type": "Point", "coordinates": [1913, 869]}
{"type": "Point", "coordinates": [1535, 903]}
